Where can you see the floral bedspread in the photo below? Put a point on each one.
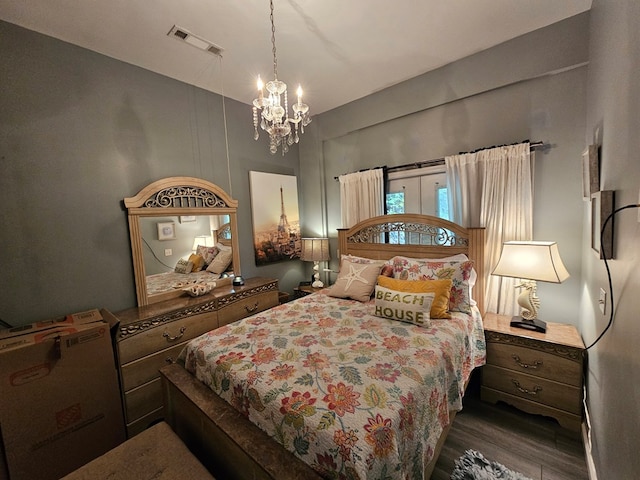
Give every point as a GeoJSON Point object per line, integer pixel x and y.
{"type": "Point", "coordinates": [351, 394]}
{"type": "Point", "coordinates": [164, 282]}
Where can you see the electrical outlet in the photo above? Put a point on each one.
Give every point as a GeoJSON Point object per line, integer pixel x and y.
{"type": "Point", "coordinates": [602, 301]}
{"type": "Point", "coordinates": [168, 252]}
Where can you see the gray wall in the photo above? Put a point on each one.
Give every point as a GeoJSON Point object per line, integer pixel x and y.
{"type": "Point", "coordinates": [532, 87]}
{"type": "Point", "coordinates": [613, 121]}
{"type": "Point", "coordinates": [78, 133]}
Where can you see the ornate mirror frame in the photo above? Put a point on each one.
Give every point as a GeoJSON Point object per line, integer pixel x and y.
{"type": "Point", "coordinates": [175, 196]}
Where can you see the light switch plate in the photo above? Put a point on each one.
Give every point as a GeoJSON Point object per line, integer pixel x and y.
{"type": "Point", "coordinates": [602, 301]}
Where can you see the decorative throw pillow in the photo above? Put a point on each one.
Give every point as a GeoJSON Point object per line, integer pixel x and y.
{"type": "Point", "coordinates": [356, 259]}
{"type": "Point", "coordinates": [197, 261]}
{"type": "Point", "coordinates": [404, 306]}
{"type": "Point", "coordinates": [440, 288]}
{"type": "Point", "coordinates": [221, 261]}
{"type": "Point", "coordinates": [208, 253]}
{"type": "Point", "coordinates": [459, 272]}
{"type": "Point", "coordinates": [459, 257]}
{"type": "Point", "coordinates": [183, 266]}
{"type": "Point", "coordinates": [355, 280]}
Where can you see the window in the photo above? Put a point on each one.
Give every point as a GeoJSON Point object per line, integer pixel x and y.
{"type": "Point", "coordinates": [422, 190]}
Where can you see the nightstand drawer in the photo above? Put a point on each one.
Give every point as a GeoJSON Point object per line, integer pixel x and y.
{"type": "Point", "coordinates": [146, 369]}
{"type": "Point", "coordinates": [534, 362]}
{"type": "Point", "coordinates": [547, 392]}
{"type": "Point", "coordinates": [164, 336]}
{"type": "Point", "coordinates": [247, 306]}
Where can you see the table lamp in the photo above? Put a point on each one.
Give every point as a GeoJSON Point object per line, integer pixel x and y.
{"type": "Point", "coordinates": [530, 262]}
{"type": "Point", "coordinates": [315, 250]}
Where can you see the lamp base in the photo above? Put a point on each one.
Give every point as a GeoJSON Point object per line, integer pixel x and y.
{"type": "Point", "coordinates": [535, 325]}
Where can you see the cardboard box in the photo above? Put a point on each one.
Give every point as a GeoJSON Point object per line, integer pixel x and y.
{"type": "Point", "coordinates": [60, 403]}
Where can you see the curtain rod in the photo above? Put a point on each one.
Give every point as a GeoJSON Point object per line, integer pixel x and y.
{"type": "Point", "coordinates": [440, 161]}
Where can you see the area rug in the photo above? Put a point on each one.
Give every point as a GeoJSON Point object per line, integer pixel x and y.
{"type": "Point", "coordinates": [474, 466]}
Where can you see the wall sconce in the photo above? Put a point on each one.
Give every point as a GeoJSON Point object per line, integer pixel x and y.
{"type": "Point", "coordinates": [315, 250]}
{"type": "Point", "coordinates": [531, 261]}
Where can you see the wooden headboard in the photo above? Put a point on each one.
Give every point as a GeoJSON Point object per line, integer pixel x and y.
{"type": "Point", "coordinates": [417, 236]}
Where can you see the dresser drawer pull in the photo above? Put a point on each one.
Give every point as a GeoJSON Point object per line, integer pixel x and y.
{"type": "Point", "coordinates": [533, 392]}
{"type": "Point", "coordinates": [251, 309]}
{"type": "Point", "coordinates": [173, 339]}
{"type": "Point", "coordinates": [533, 365]}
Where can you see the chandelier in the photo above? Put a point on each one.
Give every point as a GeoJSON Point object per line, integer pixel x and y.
{"type": "Point", "coordinates": [273, 110]}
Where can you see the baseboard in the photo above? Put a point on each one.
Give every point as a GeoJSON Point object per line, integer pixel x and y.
{"type": "Point", "coordinates": [586, 441]}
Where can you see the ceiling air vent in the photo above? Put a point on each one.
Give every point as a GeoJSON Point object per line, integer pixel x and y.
{"type": "Point", "coordinates": [186, 36]}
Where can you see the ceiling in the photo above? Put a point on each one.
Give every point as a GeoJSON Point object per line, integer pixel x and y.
{"type": "Point", "coordinates": [338, 50]}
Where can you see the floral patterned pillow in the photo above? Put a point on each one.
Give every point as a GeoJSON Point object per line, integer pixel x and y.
{"type": "Point", "coordinates": [208, 253]}
{"type": "Point", "coordinates": [459, 272]}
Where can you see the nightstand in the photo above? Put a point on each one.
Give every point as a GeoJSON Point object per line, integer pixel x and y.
{"type": "Point", "coordinates": [538, 373]}
{"type": "Point", "coordinates": [303, 290]}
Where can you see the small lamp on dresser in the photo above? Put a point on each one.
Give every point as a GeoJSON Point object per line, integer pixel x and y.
{"type": "Point", "coordinates": [315, 250]}
{"type": "Point", "coordinates": [531, 262]}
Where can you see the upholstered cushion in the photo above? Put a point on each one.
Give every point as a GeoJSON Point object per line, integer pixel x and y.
{"type": "Point", "coordinates": [459, 272]}
{"type": "Point", "coordinates": [208, 253]}
{"type": "Point", "coordinates": [356, 280]}
{"type": "Point", "coordinates": [183, 266]}
{"type": "Point", "coordinates": [221, 261]}
{"type": "Point", "coordinates": [404, 306]}
{"type": "Point", "coordinates": [440, 288]}
{"type": "Point", "coordinates": [155, 453]}
{"type": "Point", "coordinates": [197, 261]}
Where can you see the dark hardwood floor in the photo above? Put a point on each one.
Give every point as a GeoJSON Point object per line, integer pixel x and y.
{"type": "Point", "coordinates": [533, 445]}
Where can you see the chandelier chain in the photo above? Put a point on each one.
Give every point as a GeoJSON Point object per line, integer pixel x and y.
{"type": "Point", "coordinates": [270, 111]}
{"type": "Point", "coordinates": [273, 42]}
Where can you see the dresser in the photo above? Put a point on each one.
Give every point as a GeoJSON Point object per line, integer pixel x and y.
{"type": "Point", "coordinates": [149, 337]}
{"type": "Point", "coordinates": [538, 373]}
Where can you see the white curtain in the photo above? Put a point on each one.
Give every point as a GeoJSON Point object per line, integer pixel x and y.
{"type": "Point", "coordinates": [361, 196]}
{"type": "Point", "coordinates": [493, 188]}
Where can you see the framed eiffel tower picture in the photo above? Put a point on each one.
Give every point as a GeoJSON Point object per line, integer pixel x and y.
{"type": "Point", "coordinates": [275, 215]}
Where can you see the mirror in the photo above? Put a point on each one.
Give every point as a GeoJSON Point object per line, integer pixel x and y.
{"type": "Point", "coordinates": [168, 219]}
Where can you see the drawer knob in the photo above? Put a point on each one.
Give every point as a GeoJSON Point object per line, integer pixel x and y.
{"type": "Point", "coordinates": [533, 366]}
{"type": "Point", "coordinates": [251, 309]}
{"type": "Point", "coordinates": [173, 339]}
{"type": "Point", "coordinates": [526, 391]}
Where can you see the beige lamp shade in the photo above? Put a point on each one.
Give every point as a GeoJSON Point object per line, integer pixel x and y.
{"type": "Point", "coordinates": [538, 261]}
{"type": "Point", "coordinates": [204, 240]}
{"type": "Point", "coordinates": [315, 250]}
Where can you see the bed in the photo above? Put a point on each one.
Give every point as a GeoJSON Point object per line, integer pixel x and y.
{"type": "Point", "coordinates": [344, 389]}
{"type": "Point", "coordinates": [166, 285]}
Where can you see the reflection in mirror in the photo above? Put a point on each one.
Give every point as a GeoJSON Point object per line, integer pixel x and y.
{"type": "Point", "coordinates": [183, 231]}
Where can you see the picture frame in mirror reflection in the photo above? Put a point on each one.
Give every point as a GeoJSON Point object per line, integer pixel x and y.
{"type": "Point", "coordinates": [166, 231]}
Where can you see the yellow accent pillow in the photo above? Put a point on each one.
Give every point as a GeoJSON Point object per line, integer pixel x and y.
{"type": "Point", "coordinates": [198, 262]}
{"type": "Point", "coordinates": [441, 289]}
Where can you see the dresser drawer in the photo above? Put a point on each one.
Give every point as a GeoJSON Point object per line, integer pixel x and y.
{"type": "Point", "coordinates": [163, 336]}
{"type": "Point", "coordinates": [244, 307]}
{"type": "Point", "coordinates": [547, 392]}
{"type": "Point", "coordinates": [145, 422]}
{"type": "Point", "coordinates": [143, 400]}
{"type": "Point", "coordinates": [146, 369]}
{"type": "Point", "coordinates": [535, 362]}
